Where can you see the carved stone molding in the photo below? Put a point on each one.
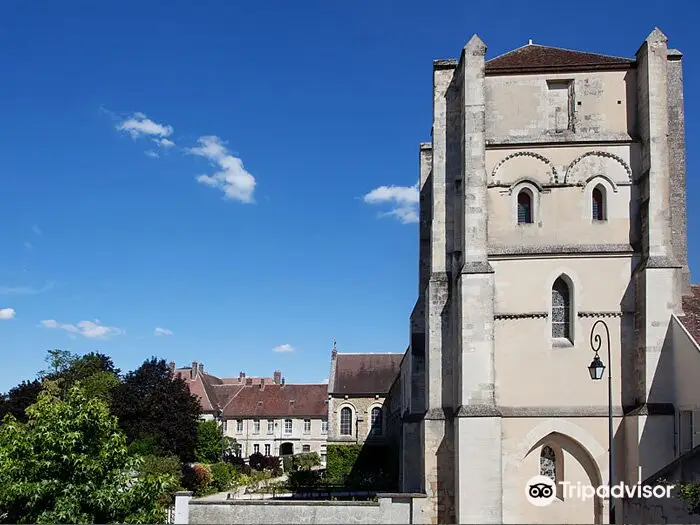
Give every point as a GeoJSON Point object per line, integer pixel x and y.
{"type": "Point", "coordinates": [605, 154]}
{"type": "Point", "coordinates": [553, 175]}
{"type": "Point", "coordinates": [603, 314]}
{"type": "Point", "coordinates": [527, 315]}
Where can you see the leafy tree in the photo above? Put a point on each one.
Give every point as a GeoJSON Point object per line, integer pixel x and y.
{"type": "Point", "coordinates": [690, 493]}
{"type": "Point", "coordinates": [210, 442]}
{"type": "Point", "coordinates": [94, 371]}
{"type": "Point", "coordinates": [149, 402]}
{"type": "Point", "coordinates": [69, 464]}
{"type": "Point", "coordinates": [16, 401]}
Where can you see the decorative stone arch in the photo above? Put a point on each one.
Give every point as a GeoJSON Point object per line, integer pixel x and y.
{"type": "Point", "coordinates": [534, 189]}
{"type": "Point", "coordinates": [553, 175]}
{"type": "Point", "coordinates": [575, 166]}
{"type": "Point", "coordinates": [589, 449]}
{"type": "Point", "coordinates": [353, 418]}
{"type": "Point", "coordinates": [571, 279]}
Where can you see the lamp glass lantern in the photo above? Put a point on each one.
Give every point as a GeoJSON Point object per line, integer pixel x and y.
{"type": "Point", "coordinates": [596, 368]}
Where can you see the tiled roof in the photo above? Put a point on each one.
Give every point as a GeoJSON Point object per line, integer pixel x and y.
{"type": "Point", "coordinates": [365, 373]}
{"type": "Point", "coordinates": [279, 401]}
{"type": "Point", "coordinates": [536, 57]}
{"type": "Point", "coordinates": [691, 311]}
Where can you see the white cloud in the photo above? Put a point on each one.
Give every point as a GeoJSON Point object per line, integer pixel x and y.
{"type": "Point", "coordinates": [325, 381]}
{"type": "Point", "coordinates": [160, 332]}
{"type": "Point", "coordinates": [164, 143]}
{"type": "Point", "coordinates": [25, 290]}
{"type": "Point", "coordinates": [90, 329]}
{"type": "Point", "coordinates": [7, 313]}
{"type": "Point", "coordinates": [28, 245]}
{"type": "Point", "coordinates": [36, 229]}
{"type": "Point", "coordinates": [151, 153]}
{"type": "Point", "coordinates": [139, 125]}
{"type": "Point", "coordinates": [232, 178]}
{"type": "Point", "coordinates": [404, 200]}
{"type": "Point", "coordinates": [283, 348]}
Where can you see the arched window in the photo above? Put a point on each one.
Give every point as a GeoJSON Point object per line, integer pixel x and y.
{"type": "Point", "coordinates": [561, 309]}
{"type": "Point", "coordinates": [548, 463]}
{"type": "Point", "coordinates": [376, 421]}
{"type": "Point", "coordinates": [598, 204]}
{"type": "Point", "coordinates": [346, 422]}
{"type": "Point", "coordinates": [524, 207]}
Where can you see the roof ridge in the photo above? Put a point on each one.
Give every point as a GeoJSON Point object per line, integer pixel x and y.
{"type": "Point", "coordinates": [560, 49]}
{"type": "Point", "coordinates": [371, 353]}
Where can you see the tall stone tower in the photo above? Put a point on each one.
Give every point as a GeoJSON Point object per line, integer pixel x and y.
{"type": "Point", "coordinates": [552, 196]}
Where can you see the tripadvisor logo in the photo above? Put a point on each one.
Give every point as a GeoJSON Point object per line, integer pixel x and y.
{"type": "Point", "coordinates": [541, 491]}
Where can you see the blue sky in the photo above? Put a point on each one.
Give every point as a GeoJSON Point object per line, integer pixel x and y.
{"type": "Point", "coordinates": [119, 120]}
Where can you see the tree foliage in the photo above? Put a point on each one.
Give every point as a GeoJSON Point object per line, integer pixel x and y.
{"type": "Point", "coordinates": [69, 464]}
{"type": "Point", "coordinates": [149, 402]}
{"type": "Point", "coordinates": [690, 493]}
{"type": "Point", "coordinates": [210, 442]}
{"type": "Point", "coordinates": [94, 371]}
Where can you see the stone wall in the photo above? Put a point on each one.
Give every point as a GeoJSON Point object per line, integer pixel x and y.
{"type": "Point", "coordinates": [389, 508]}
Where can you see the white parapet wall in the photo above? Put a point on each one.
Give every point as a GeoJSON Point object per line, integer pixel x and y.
{"type": "Point", "coordinates": [388, 508]}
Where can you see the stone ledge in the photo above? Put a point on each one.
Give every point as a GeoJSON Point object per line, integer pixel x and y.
{"type": "Point", "coordinates": [526, 315]}
{"type": "Point", "coordinates": [289, 502]}
{"type": "Point", "coordinates": [564, 249]}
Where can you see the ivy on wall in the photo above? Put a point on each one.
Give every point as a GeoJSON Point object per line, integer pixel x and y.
{"type": "Point", "coordinates": [371, 467]}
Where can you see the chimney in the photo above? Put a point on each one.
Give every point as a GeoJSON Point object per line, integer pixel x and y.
{"type": "Point", "coordinates": [283, 381]}
{"type": "Point", "coordinates": [249, 381]}
{"type": "Point", "coordinates": [334, 353]}
{"type": "Point", "coordinates": [241, 375]}
{"type": "Point", "coordinates": [171, 365]}
{"type": "Point", "coordinates": [193, 373]}
{"type": "Point", "coordinates": [277, 377]}
{"type": "Point", "coordinates": [262, 383]}
{"type": "Point", "coordinates": [201, 368]}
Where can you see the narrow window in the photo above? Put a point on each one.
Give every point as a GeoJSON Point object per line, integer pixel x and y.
{"type": "Point", "coordinates": [524, 207]}
{"type": "Point", "coordinates": [561, 310]}
{"type": "Point", "coordinates": [307, 426]}
{"type": "Point", "coordinates": [256, 426]}
{"type": "Point", "coordinates": [598, 204]}
{"type": "Point", "coordinates": [270, 426]}
{"type": "Point", "coordinates": [346, 422]}
{"type": "Point", "coordinates": [376, 421]}
{"type": "Point", "coordinates": [306, 448]}
{"type": "Point", "coordinates": [287, 426]}
{"type": "Point", "coordinates": [324, 426]}
{"type": "Point", "coordinates": [256, 449]}
{"type": "Point", "coordinates": [239, 425]}
{"type": "Point", "coordinates": [267, 450]}
{"type": "Point", "coordinates": [548, 463]}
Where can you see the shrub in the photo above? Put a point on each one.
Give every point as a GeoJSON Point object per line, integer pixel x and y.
{"type": "Point", "coordinates": [302, 479]}
{"type": "Point", "coordinates": [287, 463]}
{"type": "Point", "coordinates": [274, 464]}
{"type": "Point", "coordinates": [239, 465]}
{"type": "Point", "coordinates": [358, 466]}
{"type": "Point", "coordinates": [257, 461]}
{"type": "Point", "coordinates": [305, 460]}
{"type": "Point", "coordinates": [197, 478]}
{"type": "Point", "coordinates": [145, 446]}
{"type": "Point", "coordinates": [157, 465]}
{"type": "Point", "coordinates": [223, 476]}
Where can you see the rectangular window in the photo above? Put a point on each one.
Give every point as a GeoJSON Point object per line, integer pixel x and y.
{"type": "Point", "coordinates": [256, 449]}
{"type": "Point", "coordinates": [559, 94]}
{"type": "Point", "coordinates": [267, 450]}
{"type": "Point", "coordinates": [324, 426]}
{"type": "Point", "coordinates": [306, 448]}
{"type": "Point", "coordinates": [287, 426]}
{"type": "Point", "coordinates": [256, 426]}
{"type": "Point", "coordinates": [307, 426]}
{"type": "Point", "coordinates": [270, 426]}
{"type": "Point", "coordinates": [323, 459]}
{"type": "Point", "coordinates": [239, 425]}
{"type": "Point", "coordinates": [685, 430]}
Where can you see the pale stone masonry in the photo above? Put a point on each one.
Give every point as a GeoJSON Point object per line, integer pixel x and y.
{"type": "Point", "coordinates": [552, 195]}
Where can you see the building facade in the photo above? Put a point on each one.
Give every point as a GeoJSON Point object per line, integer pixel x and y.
{"type": "Point", "coordinates": [262, 414]}
{"type": "Point", "coordinates": [552, 196]}
{"type": "Point", "coordinates": [358, 386]}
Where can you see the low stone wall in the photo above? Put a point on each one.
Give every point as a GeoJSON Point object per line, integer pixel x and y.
{"type": "Point", "coordinates": [389, 508]}
{"type": "Point", "coordinates": [685, 469]}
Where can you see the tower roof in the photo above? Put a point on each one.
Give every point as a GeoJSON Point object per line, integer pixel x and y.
{"type": "Point", "coordinates": [534, 58]}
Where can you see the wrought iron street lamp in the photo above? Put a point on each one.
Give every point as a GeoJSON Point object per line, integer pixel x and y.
{"type": "Point", "coordinates": [596, 369]}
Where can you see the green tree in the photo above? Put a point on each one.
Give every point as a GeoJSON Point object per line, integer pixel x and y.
{"type": "Point", "coordinates": [69, 464]}
{"type": "Point", "coordinates": [150, 403]}
{"type": "Point", "coordinates": [210, 442]}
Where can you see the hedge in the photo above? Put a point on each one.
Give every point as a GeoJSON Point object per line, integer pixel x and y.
{"type": "Point", "coordinates": [363, 466]}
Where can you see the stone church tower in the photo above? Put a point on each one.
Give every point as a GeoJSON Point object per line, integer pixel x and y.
{"type": "Point", "coordinates": [552, 196]}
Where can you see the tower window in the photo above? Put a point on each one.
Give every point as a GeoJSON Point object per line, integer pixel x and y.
{"type": "Point", "coordinates": [548, 463]}
{"type": "Point", "coordinates": [598, 204]}
{"type": "Point", "coordinates": [561, 310]}
{"type": "Point", "coordinates": [524, 207]}
{"type": "Point", "coordinates": [346, 422]}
